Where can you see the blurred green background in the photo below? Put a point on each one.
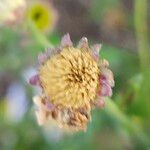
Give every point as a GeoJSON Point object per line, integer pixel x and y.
{"type": "Point", "coordinates": [122, 26]}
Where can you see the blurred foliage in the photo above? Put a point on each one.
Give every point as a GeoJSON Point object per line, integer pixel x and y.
{"type": "Point", "coordinates": [99, 7]}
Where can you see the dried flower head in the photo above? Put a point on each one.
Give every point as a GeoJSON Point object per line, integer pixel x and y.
{"type": "Point", "coordinates": [70, 78]}
{"type": "Point", "coordinates": [73, 81]}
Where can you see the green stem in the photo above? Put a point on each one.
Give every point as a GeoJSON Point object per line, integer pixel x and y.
{"type": "Point", "coordinates": [39, 36]}
{"type": "Point", "coordinates": [134, 129]}
{"type": "Point", "coordinates": [141, 27]}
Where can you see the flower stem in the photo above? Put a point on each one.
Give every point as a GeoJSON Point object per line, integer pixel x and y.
{"type": "Point", "coordinates": [38, 35]}
{"type": "Point", "coordinates": [141, 28]}
{"type": "Point", "coordinates": [134, 129]}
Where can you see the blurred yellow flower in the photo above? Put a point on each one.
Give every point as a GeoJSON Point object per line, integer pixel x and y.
{"type": "Point", "coordinates": [10, 10]}
{"type": "Point", "coordinates": [42, 15]}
